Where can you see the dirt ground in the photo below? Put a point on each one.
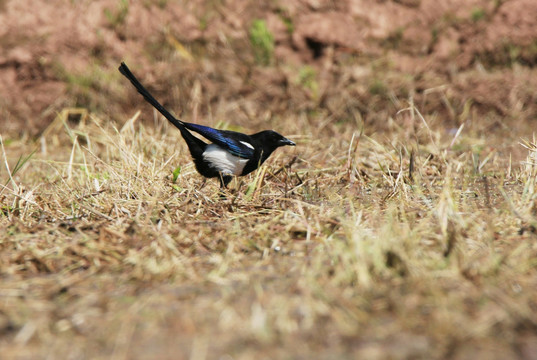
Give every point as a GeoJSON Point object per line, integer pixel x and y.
{"type": "Point", "coordinates": [367, 56]}
{"type": "Point", "coordinates": [323, 71]}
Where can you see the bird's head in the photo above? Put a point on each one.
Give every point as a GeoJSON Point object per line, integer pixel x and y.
{"type": "Point", "coordinates": [267, 141]}
{"type": "Point", "coordinates": [272, 139]}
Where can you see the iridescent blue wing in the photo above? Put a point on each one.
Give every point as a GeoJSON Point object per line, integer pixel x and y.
{"type": "Point", "coordinates": [236, 143]}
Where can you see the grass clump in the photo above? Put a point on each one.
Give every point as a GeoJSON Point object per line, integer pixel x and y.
{"type": "Point", "coordinates": [307, 79]}
{"type": "Point", "coordinates": [478, 14]}
{"type": "Point", "coordinates": [262, 42]}
{"type": "Point", "coordinates": [117, 17]}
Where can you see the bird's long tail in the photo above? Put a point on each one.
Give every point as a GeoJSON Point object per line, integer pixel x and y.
{"type": "Point", "coordinates": [148, 97]}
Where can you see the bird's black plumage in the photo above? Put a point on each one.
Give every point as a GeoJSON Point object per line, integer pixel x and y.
{"type": "Point", "coordinates": [230, 153]}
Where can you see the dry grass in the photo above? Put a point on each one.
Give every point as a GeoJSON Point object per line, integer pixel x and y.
{"type": "Point", "coordinates": [410, 244]}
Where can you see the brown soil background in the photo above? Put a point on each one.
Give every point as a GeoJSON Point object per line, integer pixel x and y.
{"type": "Point", "coordinates": [368, 57]}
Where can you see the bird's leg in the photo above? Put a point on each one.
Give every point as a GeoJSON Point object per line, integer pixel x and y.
{"type": "Point", "coordinates": [224, 181]}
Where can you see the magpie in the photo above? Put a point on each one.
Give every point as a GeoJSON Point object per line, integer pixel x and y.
{"type": "Point", "coordinates": [229, 154]}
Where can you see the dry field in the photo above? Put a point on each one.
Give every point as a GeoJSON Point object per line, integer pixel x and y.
{"type": "Point", "coordinates": [420, 244]}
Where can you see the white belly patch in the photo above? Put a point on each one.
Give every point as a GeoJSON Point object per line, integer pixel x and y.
{"type": "Point", "coordinates": [223, 161]}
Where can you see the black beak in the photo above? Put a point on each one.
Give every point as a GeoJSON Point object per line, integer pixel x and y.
{"type": "Point", "coordinates": [285, 141]}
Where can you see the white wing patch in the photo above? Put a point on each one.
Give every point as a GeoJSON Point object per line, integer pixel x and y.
{"type": "Point", "coordinates": [247, 144]}
{"type": "Point", "coordinates": [223, 161]}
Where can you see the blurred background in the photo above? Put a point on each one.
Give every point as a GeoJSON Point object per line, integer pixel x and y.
{"type": "Point", "coordinates": [245, 62]}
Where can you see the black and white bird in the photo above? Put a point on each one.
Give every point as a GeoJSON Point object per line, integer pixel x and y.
{"type": "Point", "coordinates": [230, 153]}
